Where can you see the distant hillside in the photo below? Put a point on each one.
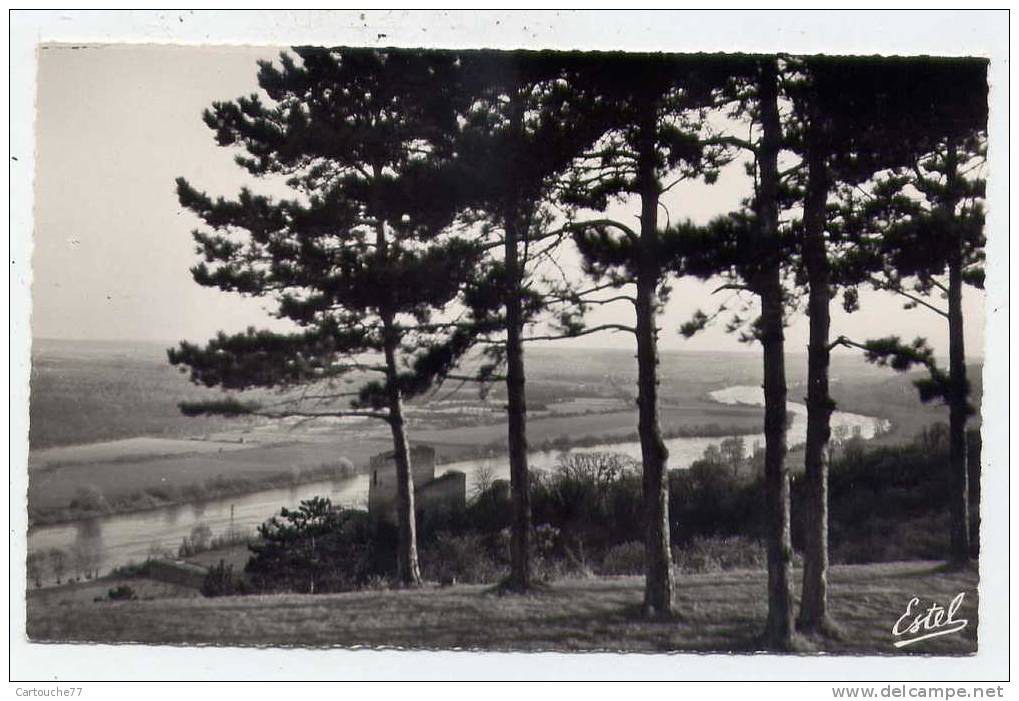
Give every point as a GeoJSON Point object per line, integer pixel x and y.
{"type": "Point", "coordinates": [90, 391]}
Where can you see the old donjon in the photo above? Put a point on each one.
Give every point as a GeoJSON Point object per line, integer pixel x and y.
{"type": "Point", "coordinates": [431, 493]}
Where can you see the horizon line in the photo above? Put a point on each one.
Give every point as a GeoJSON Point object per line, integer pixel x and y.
{"type": "Point", "coordinates": [735, 351]}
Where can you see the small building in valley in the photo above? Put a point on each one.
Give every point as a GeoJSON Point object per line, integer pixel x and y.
{"type": "Point", "coordinates": [431, 493]}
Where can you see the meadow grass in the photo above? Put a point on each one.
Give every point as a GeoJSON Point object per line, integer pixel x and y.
{"type": "Point", "coordinates": [714, 612]}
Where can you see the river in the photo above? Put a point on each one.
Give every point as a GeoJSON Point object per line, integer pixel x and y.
{"type": "Point", "coordinates": [116, 540]}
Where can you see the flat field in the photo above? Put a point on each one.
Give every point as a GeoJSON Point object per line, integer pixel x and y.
{"type": "Point", "coordinates": [56, 486]}
{"type": "Point", "coordinates": [138, 448]}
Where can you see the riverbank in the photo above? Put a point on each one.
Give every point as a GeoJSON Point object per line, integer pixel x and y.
{"type": "Point", "coordinates": [162, 497]}
{"type": "Point", "coordinates": [114, 485]}
{"type": "Point", "coordinates": [718, 612]}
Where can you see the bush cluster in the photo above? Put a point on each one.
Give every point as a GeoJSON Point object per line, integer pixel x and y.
{"type": "Point", "coordinates": [121, 593]}
{"type": "Point", "coordinates": [459, 559]}
{"type": "Point", "coordinates": [221, 581]}
{"type": "Point", "coordinates": [720, 554]}
{"type": "Point", "coordinates": [201, 540]}
{"type": "Point", "coordinates": [888, 503]}
{"type": "Point", "coordinates": [318, 548]}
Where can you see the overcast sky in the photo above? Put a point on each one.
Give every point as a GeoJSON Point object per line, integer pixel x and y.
{"type": "Point", "coordinates": [112, 248]}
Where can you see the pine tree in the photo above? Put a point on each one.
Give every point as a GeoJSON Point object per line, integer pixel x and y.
{"type": "Point", "coordinates": [852, 118]}
{"type": "Point", "coordinates": [656, 133]}
{"type": "Point", "coordinates": [359, 260]}
{"type": "Point", "coordinates": [921, 235]}
{"type": "Point", "coordinates": [526, 121]}
{"type": "Point", "coordinates": [849, 119]}
{"type": "Point", "coordinates": [766, 283]}
{"type": "Point", "coordinates": [752, 251]}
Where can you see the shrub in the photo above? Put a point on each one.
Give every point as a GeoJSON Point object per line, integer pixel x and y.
{"type": "Point", "coordinates": [89, 499]}
{"type": "Point", "coordinates": [230, 537]}
{"type": "Point", "coordinates": [319, 548]}
{"type": "Point", "coordinates": [86, 556]}
{"type": "Point", "coordinates": [556, 554]}
{"type": "Point", "coordinates": [138, 500]}
{"type": "Point", "coordinates": [553, 553]}
{"type": "Point", "coordinates": [490, 511]}
{"type": "Point", "coordinates": [199, 541]}
{"type": "Point", "coordinates": [720, 554]}
{"type": "Point", "coordinates": [58, 563]}
{"type": "Point", "coordinates": [710, 500]}
{"type": "Point", "coordinates": [887, 503]}
{"type": "Point", "coordinates": [168, 493]}
{"type": "Point", "coordinates": [625, 558]}
{"type": "Point", "coordinates": [35, 567]}
{"type": "Point", "coordinates": [221, 581]}
{"type": "Point", "coordinates": [121, 593]}
{"type": "Point", "coordinates": [450, 559]}
{"type": "Point", "coordinates": [132, 569]}
{"type": "Point", "coordinates": [883, 539]}
{"type": "Point", "coordinates": [591, 498]}
{"type": "Point", "coordinates": [157, 551]}
{"type": "Point", "coordinates": [194, 492]}
{"type": "Point", "coordinates": [375, 582]}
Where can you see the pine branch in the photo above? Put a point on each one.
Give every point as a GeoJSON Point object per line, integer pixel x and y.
{"type": "Point", "coordinates": [599, 223]}
{"type": "Point", "coordinates": [731, 286]}
{"type": "Point", "coordinates": [611, 300]}
{"type": "Point", "coordinates": [845, 342]}
{"type": "Point", "coordinates": [471, 378]}
{"type": "Point", "coordinates": [574, 296]}
{"type": "Point", "coordinates": [233, 407]}
{"type": "Point", "coordinates": [585, 332]}
{"type": "Point", "coordinates": [320, 398]}
{"type": "Point", "coordinates": [915, 299]}
{"type": "Point", "coordinates": [319, 415]}
{"type": "Point", "coordinates": [891, 352]}
{"type": "Point", "coordinates": [730, 141]}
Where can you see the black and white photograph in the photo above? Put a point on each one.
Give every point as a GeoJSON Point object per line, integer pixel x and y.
{"type": "Point", "coordinates": [408, 343]}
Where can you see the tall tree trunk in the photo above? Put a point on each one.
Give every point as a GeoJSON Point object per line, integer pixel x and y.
{"type": "Point", "coordinates": [779, 628]}
{"type": "Point", "coordinates": [407, 570]}
{"type": "Point", "coordinates": [958, 415]}
{"type": "Point", "coordinates": [958, 410]}
{"type": "Point", "coordinates": [520, 535]}
{"type": "Point", "coordinates": [973, 448]}
{"type": "Point", "coordinates": [654, 454]}
{"type": "Point", "coordinates": [814, 615]}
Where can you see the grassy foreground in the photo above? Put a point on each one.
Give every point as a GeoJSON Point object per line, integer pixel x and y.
{"type": "Point", "coordinates": [715, 612]}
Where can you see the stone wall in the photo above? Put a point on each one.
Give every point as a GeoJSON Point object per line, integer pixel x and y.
{"type": "Point", "coordinates": [430, 493]}
{"type": "Point", "coordinates": [382, 479]}
{"type": "Point", "coordinates": [447, 492]}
